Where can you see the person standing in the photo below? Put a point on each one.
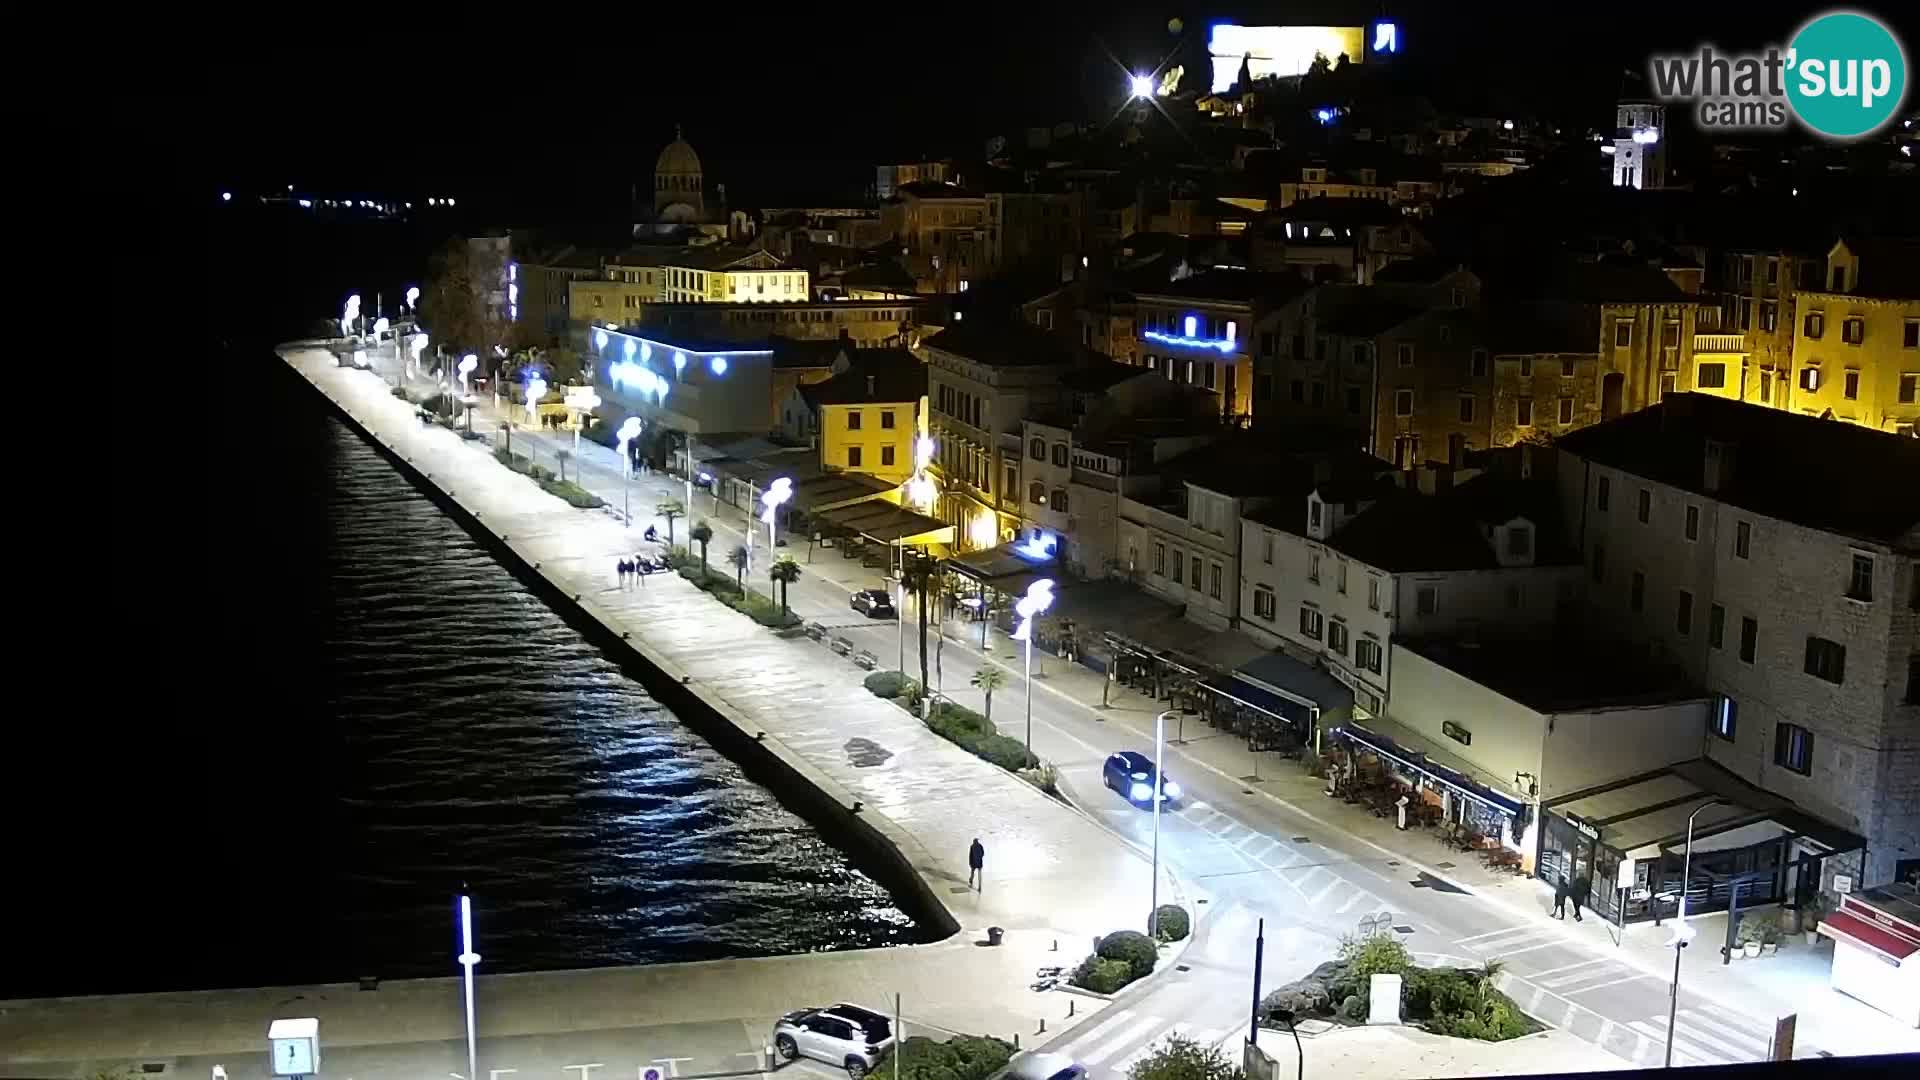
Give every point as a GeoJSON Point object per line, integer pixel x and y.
{"type": "Point", "coordinates": [1581, 886]}
{"type": "Point", "coordinates": [1560, 896]}
{"type": "Point", "coordinates": [976, 858]}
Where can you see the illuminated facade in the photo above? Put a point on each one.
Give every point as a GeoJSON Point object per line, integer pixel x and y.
{"type": "Point", "coordinates": [1199, 331]}
{"type": "Point", "coordinates": [942, 230]}
{"type": "Point", "coordinates": [871, 414]}
{"type": "Point", "coordinates": [1856, 349]}
{"type": "Point", "coordinates": [1640, 146]}
{"type": "Point", "coordinates": [1279, 51]}
{"type": "Point", "coordinates": [682, 384]}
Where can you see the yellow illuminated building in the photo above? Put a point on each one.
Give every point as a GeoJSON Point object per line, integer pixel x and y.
{"type": "Point", "coordinates": [1856, 346]}
{"type": "Point", "coordinates": [872, 414]}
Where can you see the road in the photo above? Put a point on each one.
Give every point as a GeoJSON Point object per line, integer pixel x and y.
{"type": "Point", "coordinates": [1246, 854]}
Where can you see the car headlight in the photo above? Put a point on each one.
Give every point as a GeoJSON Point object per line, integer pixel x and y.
{"type": "Point", "coordinates": [1141, 792]}
{"type": "Point", "coordinates": [1172, 789]}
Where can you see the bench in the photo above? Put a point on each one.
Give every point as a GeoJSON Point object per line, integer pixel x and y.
{"type": "Point", "coordinates": [866, 660]}
{"type": "Point", "coordinates": [840, 645]}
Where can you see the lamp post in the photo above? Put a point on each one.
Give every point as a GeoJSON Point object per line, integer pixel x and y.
{"type": "Point", "coordinates": [467, 364]}
{"type": "Point", "coordinates": [776, 494]}
{"type": "Point", "coordinates": [416, 345]}
{"type": "Point", "coordinates": [1682, 932]}
{"type": "Point", "coordinates": [413, 300]}
{"type": "Point", "coordinates": [629, 431]}
{"type": "Point", "coordinates": [536, 389]}
{"type": "Point", "coordinates": [1285, 1016]}
{"type": "Point", "coordinates": [349, 315]}
{"type": "Point", "coordinates": [1038, 599]}
{"type": "Point", "coordinates": [1159, 796]}
{"type": "Point", "coordinates": [468, 958]}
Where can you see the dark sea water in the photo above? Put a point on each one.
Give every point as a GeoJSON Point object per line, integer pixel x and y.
{"type": "Point", "coordinates": [332, 709]}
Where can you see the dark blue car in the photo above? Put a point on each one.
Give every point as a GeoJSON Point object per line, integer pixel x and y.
{"type": "Point", "coordinates": [1131, 774]}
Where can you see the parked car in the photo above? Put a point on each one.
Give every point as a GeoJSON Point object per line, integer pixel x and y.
{"type": "Point", "coordinates": [873, 603]}
{"type": "Point", "coordinates": [1131, 774]}
{"type": "Point", "coordinates": [844, 1035]}
{"type": "Point", "coordinates": [1040, 1065]}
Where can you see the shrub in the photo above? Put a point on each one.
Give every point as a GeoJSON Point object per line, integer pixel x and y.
{"type": "Point", "coordinates": [540, 473]}
{"type": "Point", "coordinates": [1180, 1058]}
{"type": "Point", "coordinates": [964, 1057]}
{"type": "Point", "coordinates": [1353, 1009]}
{"type": "Point", "coordinates": [1007, 752]}
{"type": "Point", "coordinates": [1376, 954]}
{"type": "Point", "coordinates": [1171, 922]}
{"type": "Point", "coordinates": [1133, 947]}
{"type": "Point", "coordinates": [401, 393]}
{"type": "Point", "coordinates": [886, 684]}
{"type": "Point", "coordinates": [1043, 777]}
{"type": "Point", "coordinates": [1102, 976]}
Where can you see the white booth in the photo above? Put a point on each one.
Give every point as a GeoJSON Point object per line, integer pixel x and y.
{"type": "Point", "coordinates": [1876, 949]}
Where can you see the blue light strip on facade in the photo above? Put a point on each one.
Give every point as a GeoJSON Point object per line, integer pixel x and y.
{"type": "Point", "coordinates": [1225, 345]}
{"type": "Point", "coordinates": [657, 343]}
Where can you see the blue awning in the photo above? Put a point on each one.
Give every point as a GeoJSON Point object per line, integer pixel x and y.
{"type": "Point", "coordinates": [1416, 761]}
{"type": "Point", "coordinates": [1254, 697]}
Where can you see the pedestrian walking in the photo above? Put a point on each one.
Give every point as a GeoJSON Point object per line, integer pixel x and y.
{"type": "Point", "coordinates": [1581, 886]}
{"type": "Point", "coordinates": [1560, 896]}
{"type": "Point", "coordinates": [976, 856]}
{"type": "Point", "coordinates": [626, 571]}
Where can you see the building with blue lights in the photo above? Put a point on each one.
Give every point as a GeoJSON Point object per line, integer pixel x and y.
{"type": "Point", "coordinates": [1199, 331]}
{"type": "Point", "coordinates": [683, 385]}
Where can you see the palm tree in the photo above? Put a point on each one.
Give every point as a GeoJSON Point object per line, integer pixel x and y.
{"type": "Point", "coordinates": [670, 509]}
{"type": "Point", "coordinates": [738, 557]}
{"type": "Point", "coordinates": [702, 534]}
{"type": "Point", "coordinates": [561, 456]}
{"type": "Point", "coordinates": [784, 572]}
{"type": "Point", "coordinates": [988, 680]}
{"type": "Point", "coordinates": [918, 572]}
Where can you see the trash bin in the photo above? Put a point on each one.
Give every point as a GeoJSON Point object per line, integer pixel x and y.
{"type": "Point", "coordinates": [994, 934]}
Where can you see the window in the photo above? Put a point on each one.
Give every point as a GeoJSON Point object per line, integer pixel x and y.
{"type": "Point", "coordinates": [1523, 412]}
{"type": "Point", "coordinates": [1195, 577]}
{"type": "Point", "coordinates": [1645, 510]}
{"type": "Point", "coordinates": [1716, 626]}
{"type": "Point", "coordinates": [1426, 600]}
{"type": "Point", "coordinates": [1060, 499]}
{"type": "Point", "coordinates": [1670, 335]}
{"type": "Point", "coordinates": [1722, 716]}
{"type": "Point", "coordinates": [1037, 493]}
{"type": "Point", "coordinates": [1853, 330]}
{"type": "Point", "coordinates": [853, 419]}
{"type": "Point", "coordinates": [1693, 523]}
{"type": "Point", "coordinates": [886, 455]}
{"type": "Point", "coordinates": [1310, 623]}
{"type": "Point", "coordinates": [1266, 549]}
{"type": "Point", "coordinates": [1860, 578]}
{"type": "Point", "coordinates": [1446, 334]}
{"type": "Point", "coordinates": [1603, 493]}
{"type": "Point", "coordinates": [1013, 481]}
{"type": "Point", "coordinates": [1910, 334]}
{"type": "Point", "coordinates": [886, 419]}
{"type": "Point", "coordinates": [1060, 455]}
{"type": "Point", "coordinates": [1637, 593]}
{"type": "Point", "coordinates": [1037, 449]}
{"type": "Point", "coordinates": [1519, 541]}
{"type": "Point", "coordinates": [1909, 387]}
{"type": "Point", "coordinates": [1403, 353]}
{"type": "Point", "coordinates": [1599, 563]}
{"type": "Point", "coordinates": [1373, 593]}
{"type": "Point", "coordinates": [1160, 559]}
{"type": "Point", "coordinates": [1479, 363]}
{"type": "Point", "coordinates": [1313, 567]}
{"type": "Point", "coordinates": [1793, 748]}
{"type": "Point", "coordinates": [1913, 680]}
{"type": "Point", "coordinates": [1814, 324]}
{"type": "Point", "coordinates": [1749, 639]}
{"type": "Point", "coordinates": [1566, 410]}
{"type": "Point", "coordinates": [1622, 333]}
{"type": "Point", "coordinates": [1515, 597]}
{"type": "Point", "coordinates": [1526, 367]}
{"type": "Point", "coordinates": [1810, 378]}
{"type": "Point", "coordinates": [853, 457]}
{"type": "Point", "coordinates": [1850, 385]}
{"type": "Point", "coordinates": [1743, 540]}
{"type": "Point", "coordinates": [1683, 615]}
{"type": "Point", "coordinates": [1403, 403]}
{"type": "Point", "coordinates": [1466, 408]}
{"type": "Point", "coordinates": [1214, 576]}
{"type": "Point", "coordinates": [1357, 400]}
{"type": "Point", "coordinates": [1297, 391]}
{"type": "Point", "coordinates": [1366, 653]}
{"type": "Point", "coordinates": [1337, 637]}
{"type": "Point", "coordinates": [1711, 376]}
{"type": "Point", "coordinates": [1769, 315]}
{"type": "Point", "coordinates": [1263, 602]}
{"type": "Point", "coordinates": [1340, 577]}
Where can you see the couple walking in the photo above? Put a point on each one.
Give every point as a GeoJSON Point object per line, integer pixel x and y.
{"type": "Point", "coordinates": [634, 569]}
{"type": "Point", "coordinates": [1576, 890]}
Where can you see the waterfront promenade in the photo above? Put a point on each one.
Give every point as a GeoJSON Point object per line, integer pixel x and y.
{"type": "Point", "coordinates": [1052, 874]}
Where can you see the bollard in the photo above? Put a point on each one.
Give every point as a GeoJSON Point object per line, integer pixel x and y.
{"type": "Point", "coordinates": [1070, 1004]}
{"type": "Point", "coordinates": [1043, 1026]}
{"type": "Point", "coordinates": [1016, 1040]}
{"type": "Point", "coordinates": [1056, 945]}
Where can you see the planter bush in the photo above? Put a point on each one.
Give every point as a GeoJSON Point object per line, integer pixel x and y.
{"type": "Point", "coordinates": [573, 493]}
{"type": "Point", "coordinates": [1102, 976]}
{"type": "Point", "coordinates": [886, 684]}
{"type": "Point", "coordinates": [963, 1057]}
{"type": "Point", "coordinates": [1137, 949]}
{"type": "Point", "coordinates": [1171, 923]}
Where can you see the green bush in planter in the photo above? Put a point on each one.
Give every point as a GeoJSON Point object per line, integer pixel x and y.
{"type": "Point", "coordinates": [1007, 752]}
{"type": "Point", "coordinates": [1135, 948]}
{"type": "Point", "coordinates": [1102, 976]}
{"type": "Point", "coordinates": [1171, 923]}
{"type": "Point", "coordinates": [886, 684]}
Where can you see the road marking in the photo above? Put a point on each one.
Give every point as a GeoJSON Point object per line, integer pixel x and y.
{"type": "Point", "coordinates": [1496, 933]}
{"type": "Point", "coordinates": [1744, 1044]}
{"type": "Point", "coordinates": [1333, 881]}
{"type": "Point", "coordinates": [1102, 1028]}
{"type": "Point", "coordinates": [1568, 967]}
{"type": "Point", "coordinates": [1268, 841]}
{"type": "Point", "coordinates": [1121, 1042]}
{"type": "Point", "coordinates": [1698, 1043]}
{"type": "Point", "coordinates": [1634, 977]}
{"type": "Point", "coordinates": [1125, 1064]}
{"type": "Point", "coordinates": [1357, 898]}
{"type": "Point", "coordinates": [1506, 952]}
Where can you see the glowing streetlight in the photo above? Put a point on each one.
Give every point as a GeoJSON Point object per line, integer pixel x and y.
{"type": "Point", "coordinates": [413, 294]}
{"type": "Point", "coordinates": [467, 364]}
{"type": "Point", "coordinates": [1682, 930]}
{"type": "Point", "coordinates": [920, 488]}
{"type": "Point", "coordinates": [416, 345]}
{"type": "Point", "coordinates": [777, 493]}
{"type": "Point", "coordinates": [536, 389]}
{"type": "Point", "coordinates": [350, 315]}
{"type": "Point", "coordinates": [1141, 85]}
{"type": "Point", "coordinates": [629, 431]}
{"type": "Point", "coordinates": [1038, 599]}
{"type": "Point", "coordinates": [468, 958]}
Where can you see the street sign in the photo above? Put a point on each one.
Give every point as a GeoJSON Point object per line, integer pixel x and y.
{"type": "Point", "coordinates": [1626, 878]}
{"type": "Point", "coordinates": [294, 1046]}
{"type": "Point", "coordinates": [653, 1072]}
{"type": "Point", "coordinates": [1843, 883]}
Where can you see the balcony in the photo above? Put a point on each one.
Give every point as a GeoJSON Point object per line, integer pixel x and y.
{"type": "Point", "coordinates": [1719, 343]}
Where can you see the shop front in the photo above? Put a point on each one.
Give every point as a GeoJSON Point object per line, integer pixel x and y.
{"type": "Point", "coordinates": [1623, 846]}
{"type": "Point", "coordinates": [1876, 951]}
{"type": "Point", "coordinates": [1380, 762]}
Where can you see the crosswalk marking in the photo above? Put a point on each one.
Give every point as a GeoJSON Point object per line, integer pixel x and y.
{"type": "Point", "coordinates": [1105, 1026]}
{"type": "Point", "coordinates": [1714, 1040]}
{"type": "Point", "coordinates": [1332, 883]}
{"type": "Point", "coordinates": [1121, 1042]}
{"type": "Point", "coordinates": [1684, 1052]}
{"type": "Point", "coordinates": [1353, 900]}
{"type": "Point", "coordinates": [1126, 1063]}
{"type": "Point", "coordinates": [1540, 975]}
{"type": "Point", "coordinates": [1633, 976]}
{"type": "Point", "coordinates": [1502, 932]}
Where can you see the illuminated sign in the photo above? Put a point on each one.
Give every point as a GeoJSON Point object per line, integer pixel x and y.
{"type": "Point", "coordinates": [1279, 51]}
{"type": "Point", "coordinates": [1386, 37]}
{"type": "Point", "coordinates": [1192, 339]}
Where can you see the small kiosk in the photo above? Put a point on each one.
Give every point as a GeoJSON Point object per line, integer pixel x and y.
{"type": "Point", "coordinates": [1876, 949]}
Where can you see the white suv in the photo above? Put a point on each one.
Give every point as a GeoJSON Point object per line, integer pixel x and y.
{"type": "Point", "coordinates": [844, 1035]}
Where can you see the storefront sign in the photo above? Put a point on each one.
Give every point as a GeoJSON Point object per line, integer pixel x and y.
{"type": "Point", "coordinates": [1456, 733]}
{"type": "Point", "coordinates": [1626, 877]}
{"type": "Point", "coordinates": [1842, 883]}
{"type": "Point", "coordinates": [1586, 830]}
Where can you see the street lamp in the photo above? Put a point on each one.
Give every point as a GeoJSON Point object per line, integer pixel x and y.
{"type": "Point", "coordinates": [413, 299]}
{"type": "Point", "coordinates": [536, 389]}
{"type": "Point", "coordinates": [467, 364]}
{"type": "Point", "coordinates": [776, 494]}
{"type": "Point", "coordinates": [350, 315]}
{"type": "Point", "coordinates": [629, 431]}
{"type": "Point", "coordinates": [1285, 1016]}
{"type": "Point", "coordinates": [1038, 599]}
{"type": "Point", "coordinates": [1682, 933]}
{"type": "Point", "coordinates": [1159, 796]}
{"type": "Point", "coordinates": [1141, 85]}
{"type": "Point", "coordinates": [468, 958]}
{"type": "Point", "coordinates": [416, 344]}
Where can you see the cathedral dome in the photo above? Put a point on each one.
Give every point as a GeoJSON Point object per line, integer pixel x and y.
{"type": "Point", "coordinates": [678, 159]}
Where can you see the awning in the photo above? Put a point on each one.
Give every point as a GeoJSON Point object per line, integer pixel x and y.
{"type": "Point", "coordinates": [1889, 946]}
{"type": "Point", "coordinates": [996, 566]}
{"type": "Point", "coordinates": [1416, 761]}
{"type": "Point", "coordinates": [885, 523]}
{"type": "Point", "coordinates": [1259, 700]}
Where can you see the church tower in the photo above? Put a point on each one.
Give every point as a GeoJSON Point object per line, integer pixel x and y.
{"type": "Point", "coordinates": [679, 192]}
